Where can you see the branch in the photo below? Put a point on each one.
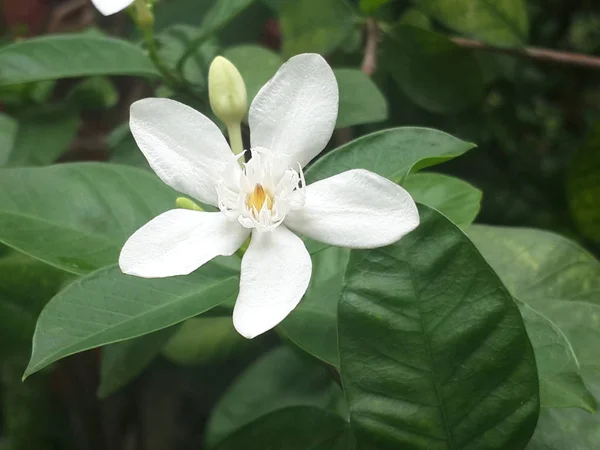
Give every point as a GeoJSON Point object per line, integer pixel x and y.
{"type": "Point", "coordinates": [538, 54]}
{"type": "Point", "coordinates": [369, 63]}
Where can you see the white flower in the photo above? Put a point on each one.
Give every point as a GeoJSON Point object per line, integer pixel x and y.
{"type": "Point", "coordinates": [291, 120]}
{"type": "Point", "coordinates": [108, 7]}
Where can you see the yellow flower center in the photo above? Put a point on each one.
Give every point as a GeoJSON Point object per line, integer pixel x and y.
{"type": "Point", "coordinates": [256, 200]}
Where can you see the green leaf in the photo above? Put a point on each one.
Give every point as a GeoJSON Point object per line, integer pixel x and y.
{"type": "Point", "coordinates": [434, 72]}
{"type": "Point", "coordinates": [94, 93]}
{"type": "Point", "coordinates": [123, 148]}
{"type": "Point", "coordinates": [296, 428]}
{"type": "Point", "coordinates": [561, 385]}
{"type": "Point", "coordinates": [361, 101]}
{"type": "Point", "coordinates": [256, 64]}
{"type": "Point", "coordinates": [8, 134]}
{"type": "Point", "coordinates": [392, 153]}
{"type": "Point", "coordinates": [280, 379]}
{"type": "Point", "coordinates": [560, 280]}
{"type": "Point", "coordinates": [498, 22]}
{"type": "Point", "coordinates": [583, 187]}
{"type": "Point", "coordinates": [124, 361]}
{"type": "Point", "coordinates": [370, 7]}
{"type": "Point", "coordinates": [108, 306]}
{"type": "Point", "coordinates": [314, 26]}
{"type": "Point", "coordinates": [71, 55]}
{"type": "Point", "coordinates": [42, 137]}
{"type": "Point", "coordinates": [456, 199]}
{"type": "Point", "coordinates": [433, 349]}
{"type": "Point", "coordinates": [77, 216]}
{"type": "Point", "coordinates": [26, 285]}
{"type": "Point", "coordinates": [313, 324]}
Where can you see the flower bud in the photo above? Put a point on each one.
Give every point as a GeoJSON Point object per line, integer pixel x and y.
{"type": "Point", "coordinates": [186, 203]}
{"type": "Point", "coordinates": [227, 92]}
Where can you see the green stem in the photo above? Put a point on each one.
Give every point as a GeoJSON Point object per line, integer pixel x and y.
{"type": "Point", "coordinates": [234, 131]}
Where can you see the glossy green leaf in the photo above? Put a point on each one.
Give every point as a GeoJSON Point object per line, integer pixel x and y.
{"type": "Point", "coordinates": [77, 216]}
{"type": "Point", "coordinates": [561, 385]}
{"type": "Point", "coordinates": [314, 26]}
{"type": "Point", "coordinates": [498, 22]}
{"type": "Point", "coordinates": [313, 324]}
{"type": "Point", "coordinates": [455, 198]}
{"type": "Point", "coordinates": [8, 133]}
{"type": "Point", "coordinates": [124, 361]}
{"type": "Point", "coordinates": [434, 353]}
{"type": "Point", "coordinates": [361, 101]}
{"type": "Point", "coordinates": [107, 306]}
{"type": "Point", "coordinates": [560, 280]}
{"type": "Point", "coordinates": [256, 64]}
{"type": "Point", "coordinates": [280, 379]}
{"type": "Point", "coordinates": [434, 72]}
{"type": "Point", "coordinates": [42, 137]}
{"type": "Point", "coordinates": [71, 55]}
{"type": "Point", "coordinates": [296, 428]}
{"type": "Point", "coordinates": [583, 187]}
{"type": "Point", "coordinates": [392, 153]}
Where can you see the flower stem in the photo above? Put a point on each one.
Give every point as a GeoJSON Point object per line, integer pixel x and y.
{"type": "Point", "coordinates": [234, 131]}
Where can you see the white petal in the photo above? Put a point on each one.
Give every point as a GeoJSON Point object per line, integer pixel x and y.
{"type": "Point", "coordinates": [108, 7]}
{"type": "Point", "coordinates": [178, 242]}
{"type": "Point", "coordinates": [276, 271]}
{"type": "Point", "coordinates": [185, 148]}
{"type": "Point", "coordinates": [295, 112]}
{"type": "Point", "coordinates": [356, 209]}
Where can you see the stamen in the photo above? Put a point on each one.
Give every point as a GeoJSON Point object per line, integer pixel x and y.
{"type": "Point", "coordinates": [258, 199]}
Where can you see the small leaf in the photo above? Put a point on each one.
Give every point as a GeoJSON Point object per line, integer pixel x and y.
{"type": "Point", "coordinates": [370, 7]}
{"type": "Point", "coordinates": [583, 187]}
{"type": "Point", "coordinates": [314, 26]}
{"type": "Point", "coordinates": [498, 22]}
{"type": "Point", "coordinates": [392, 153]}
{"type": "Point", "coordinates": [433, 349]}
{"type": "Point", "coordinates": [361, 101]}
{"type": "Point", "coordinates": [8, 133]}
{"type": "Point", "coordinates": [108, 306]}
{"type": "Point", "coordinates": [77, 216]}
{"type": "Point", "coordinates": [297, 428]}
{"type": "Point", "coordinates": [124, 361]}
{"type": "Point", "coordinates": [280, 379]}
{"type": "Point", "coordinates": [435, 73]}
{"type": "Point", "coordinates": [455, 198]}
{"type": "Point", "coordinates": [42, 137]}
{"type": "Point", "coordinates": [71, 55]}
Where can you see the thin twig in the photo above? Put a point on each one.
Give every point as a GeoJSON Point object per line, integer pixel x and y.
{"type": "Point", "coordinates": [538, 54]}
{"type": "Point", "coordinates": [369, 63]}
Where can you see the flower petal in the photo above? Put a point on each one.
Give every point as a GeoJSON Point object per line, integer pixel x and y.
{"type": "Point", "coordinates": [178, 242]}
{"type": "Point", "coordinates": [295, 112]}
{"type": "Point", "coordinates": [276, 271]}
{"type": "Point", "coordinates": [108, 7]}
{"type": "Point", "coordinates": [355, 209]}
{"type": "Point", "coordinates": [185, 148]}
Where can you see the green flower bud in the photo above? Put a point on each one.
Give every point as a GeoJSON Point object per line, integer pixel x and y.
{"type": "Point", "coordinates": [227, 92]}
{"type": "Point", "coordinates": [186, 203]}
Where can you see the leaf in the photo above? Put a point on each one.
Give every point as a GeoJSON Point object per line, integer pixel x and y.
{"type": "Point", "coordinates": [256, 64]}
{"type": "Point", "coordinates": [314, 26]}
{"type": "Point", "coordinates": [71, 55]}
{"type": "Point", "coordinates": [561, 385]}
{"type": "Point", "coordinates": [108, 306]}
{"type": "Point", "coordinates": [25, 287]}
{"type": "Point", "coordinates": [313, 324]}
{"type": "Point", "coordinates": [498, 22]}
{"type": "Point", "coordinates": [124, 361]}
{"type": "Point", "coordinates": [583, 187]}
{"type": "Point", "coordinates": [434, 72]}
{"type": "Point", "coordinates": [370, 7]}
{"type": "Point", "coordinates": [361, 101]}
{"type": "Point", "coordinates": [392, 153]}
{"type": "Point", "coordinates": [560, 280]}
{"type": "Point", "coordinates": [77, 216]}
{"type": "Point", "coordinates": [433, 349]}
{"type": "Point", "coordinates": [279, 379]}
{"type": "Point", "coordinates": [8, 133]}
{"type": "Point", "coordinates": [123, 148]}
{"type": "Point", "coordinates": [92, 94]}
{"type": "Point", "coordinates": [297, 428]}
{"type": "Point", "coordinates": [42, 137]}
{"type": "Point", "coordinates": [456, 199]}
